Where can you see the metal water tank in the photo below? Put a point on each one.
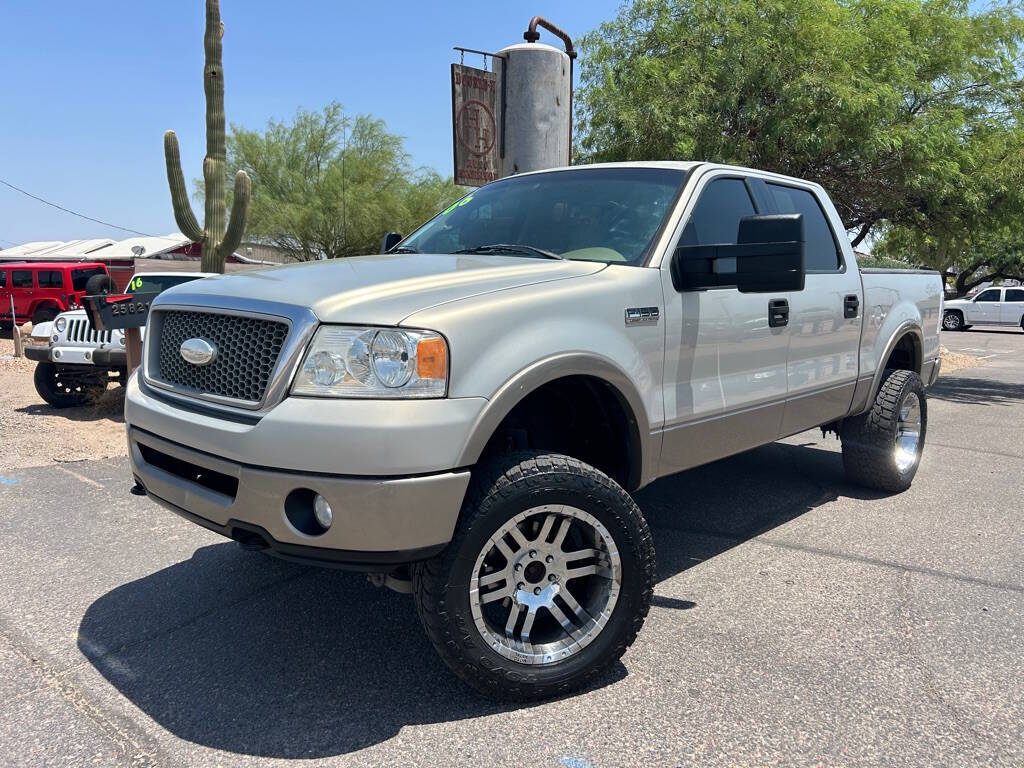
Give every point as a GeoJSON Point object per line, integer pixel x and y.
{"type": "Point", "coordinates": [538, 107]}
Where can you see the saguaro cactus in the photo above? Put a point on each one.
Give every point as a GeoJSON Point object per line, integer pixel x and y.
{"type": "Point", "coordinates": [219, 237]}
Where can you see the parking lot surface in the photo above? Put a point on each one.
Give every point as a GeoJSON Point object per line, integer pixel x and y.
{"type": "Point", "coordinates": [797, 620]}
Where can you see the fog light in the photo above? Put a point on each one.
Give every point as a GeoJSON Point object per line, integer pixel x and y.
{"type": "Point", "coordinates": [323, 512]}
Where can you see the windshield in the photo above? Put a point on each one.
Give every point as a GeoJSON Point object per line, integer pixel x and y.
{"type": "Point", "coordinates": [609, 215]}
{"type": "Point", "coordinates": [157, 283]}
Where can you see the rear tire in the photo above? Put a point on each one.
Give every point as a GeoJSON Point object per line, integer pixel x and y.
{"type": "Point", "coordinates": [882, 448]}
{"type": "Point", "coordinates": [43, 315]}
{"type": "Point", "coordinates": [524, 517]}
{"type": "Point", "coordinates": [63, 391]}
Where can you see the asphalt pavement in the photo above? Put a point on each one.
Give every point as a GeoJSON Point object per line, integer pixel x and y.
{"type": "Point", "coordinates": [797, 620]}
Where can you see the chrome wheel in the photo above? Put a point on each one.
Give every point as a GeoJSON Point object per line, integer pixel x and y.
{"type": "Point", "coordinates": [908, 433]}
{"type": "Point", "coordinates": [951, 321]}
{"type": "Point", "coordinates": [545, 584]}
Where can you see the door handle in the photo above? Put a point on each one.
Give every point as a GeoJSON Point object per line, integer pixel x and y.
{"type": "Point", "coordinates": [778, 313]}
{"type": "Point", "coordinates": [851, 306]}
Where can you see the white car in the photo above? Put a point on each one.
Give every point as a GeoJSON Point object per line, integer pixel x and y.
{"type": "Point", "coordinates": [75, 361]}
{"type": "Point", "coordinates": [993, 306]}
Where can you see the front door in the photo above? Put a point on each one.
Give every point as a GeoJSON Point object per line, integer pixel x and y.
{"type": "Point", "coordinates": [1012, 308]}
{"type": "Point", "coordinates": [725, 367]}
{"type": "Point", "coordinates": [985, 308]}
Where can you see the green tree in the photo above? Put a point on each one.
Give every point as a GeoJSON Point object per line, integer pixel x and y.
{"type": "Point", "coordinates": [326, 185]}
{"type": "Point", "coordinates": [897, 107]}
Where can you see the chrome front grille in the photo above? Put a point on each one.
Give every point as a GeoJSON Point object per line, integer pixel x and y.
{"type": "Point", "coordinates": [248, 349]}
{"type": "Point", "coordinates": [80, 331]}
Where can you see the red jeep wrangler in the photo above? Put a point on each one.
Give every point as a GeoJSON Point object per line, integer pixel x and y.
{"type": "Point", "coordinates": [42, 290]}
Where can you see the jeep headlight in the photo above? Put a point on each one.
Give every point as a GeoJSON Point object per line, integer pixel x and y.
{"type": "Point", "coordinates": [61, 324]}
{"type": "Point", "coordinates": [343, 361]}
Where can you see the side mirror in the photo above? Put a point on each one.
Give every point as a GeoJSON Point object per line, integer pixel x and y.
{"type": "Point", "coordinates": [767, 258]}
{"type": "Point", "coordinates": [391, 239]}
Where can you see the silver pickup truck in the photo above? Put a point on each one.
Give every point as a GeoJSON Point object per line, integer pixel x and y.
{"type": "Point", "coordinates": [466, 415]}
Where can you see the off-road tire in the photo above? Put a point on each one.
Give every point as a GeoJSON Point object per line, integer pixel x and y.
{"type": "Point", "coordinates": [43, 315]}
{"type": "Point", "coordinates": [869, 439]}
{"type": "Point", "coordinates": [48, 382]}
{"type": "Point", "coordinates": [953, 321]}
{"type": "Point", "coordinates": [500, 489]}
{"type": "Point", "coordinates": [100, 284]}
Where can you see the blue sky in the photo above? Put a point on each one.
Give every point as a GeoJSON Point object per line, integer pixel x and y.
{"type": "Point", "coordinates": [87, 89]}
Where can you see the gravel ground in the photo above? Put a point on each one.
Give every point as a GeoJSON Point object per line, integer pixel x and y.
{"type": "Point", "coordinates": [34, 434]}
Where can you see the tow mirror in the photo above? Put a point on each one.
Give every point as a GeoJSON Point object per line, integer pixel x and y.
{"type": "Point", "coordinates": [391, 239]}
{"type": "Point", "coordinates": [767, 258]}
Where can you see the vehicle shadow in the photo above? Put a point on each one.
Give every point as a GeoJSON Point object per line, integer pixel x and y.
{"type": "Point", "coordinates": [110, 406]}
{"type": "Point", "coordinates": [316, 663]}
{"type": "Point", "coordinates": [961, 389]}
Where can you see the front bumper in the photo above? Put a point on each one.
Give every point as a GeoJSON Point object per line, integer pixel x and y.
{"type": "Point", "coordinates": [379, 522]}
{"type": "Point", "coordinates": [101, 358]}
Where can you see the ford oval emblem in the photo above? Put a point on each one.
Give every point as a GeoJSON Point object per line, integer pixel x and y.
{"type": "Point", "coordinates": [198, 351]}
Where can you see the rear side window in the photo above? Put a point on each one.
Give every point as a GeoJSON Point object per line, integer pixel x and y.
{"type": "Point", "coordinates": [21, 278]}
{"type": "Point", "coordinates": [1015, 294]}
{"type": "Point", "coordinates": [50, 278]}
{"type": "Point", "coordinates": [822, 251]}
{"type": "Point", "coordinates": [992, 294]}
{"type": "Point", "coordinates": [3, 279]}
{"type": "Point", "coordinates": [80, 277]}
{"type": "Point", "coordinates": [716, 217]}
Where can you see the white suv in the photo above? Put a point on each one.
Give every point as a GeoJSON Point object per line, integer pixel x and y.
{"type": "Point", "coordinates": [75, 361]}
{"type": "Point", "coordinates": [993, 306]}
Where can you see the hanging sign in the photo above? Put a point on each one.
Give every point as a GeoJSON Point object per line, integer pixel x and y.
{"type": "Point", "coordinates": [476, 112]}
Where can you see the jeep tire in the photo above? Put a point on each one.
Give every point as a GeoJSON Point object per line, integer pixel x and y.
{"type": "Point", "coordinates": [547, 581]}
{"type": "Point", "coordinates": [882, 447]}
{"type": "Point", "coordinates": [61, 390]}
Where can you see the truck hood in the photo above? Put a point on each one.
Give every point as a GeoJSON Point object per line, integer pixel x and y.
{"type": "Point", "coordinates": [957, 303]}
{"type": "Point", "coordinates": [382, 289]}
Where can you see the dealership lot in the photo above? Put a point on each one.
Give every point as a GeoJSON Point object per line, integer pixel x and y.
{"type": "Point", "coordinates": [797, 620]}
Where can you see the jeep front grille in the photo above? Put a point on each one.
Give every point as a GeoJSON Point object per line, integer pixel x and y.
{"type": "Point", "coordinates": [80, 331]}
{"type": "Point", "coordinates": [247, 353]}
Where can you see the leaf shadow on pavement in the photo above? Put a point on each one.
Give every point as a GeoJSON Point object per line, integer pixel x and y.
{"type": "Point", "coordinates": [245, 653]}
{"type": "Point", "coordinates": [972, 391]}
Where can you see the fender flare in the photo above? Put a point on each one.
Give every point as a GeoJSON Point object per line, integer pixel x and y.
{"type": "Point", "coordinates": [544, 371]}
{"type": "Point", "coordinates": [907, 327]}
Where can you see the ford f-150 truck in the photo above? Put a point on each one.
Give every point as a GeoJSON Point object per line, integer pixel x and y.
{"type": "Point", "coordinates": [467, 414]}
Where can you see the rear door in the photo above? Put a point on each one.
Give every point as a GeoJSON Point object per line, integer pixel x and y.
{"type": "Point", "coordinates": [725, 368]}
{"type": "Point", "coordinates": [1012, 308]}
{"type": "Point", "coordinates": [50, 286]}
{"type": "Point", "coordinates": [23, 290]}
{"type": "Point", "coordinates": [824, 318]}
{"type": "Point", "coordinates": [986, 307]}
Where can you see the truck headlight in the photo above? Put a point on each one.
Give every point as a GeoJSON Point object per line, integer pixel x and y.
{"type": "Point", "coordinates": [61, 324]}
{"type": "Point", "coordinates": [343, 361]}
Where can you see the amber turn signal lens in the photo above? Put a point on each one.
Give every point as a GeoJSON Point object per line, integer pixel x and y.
{"type": "Point", "coordinates": [432, 359]}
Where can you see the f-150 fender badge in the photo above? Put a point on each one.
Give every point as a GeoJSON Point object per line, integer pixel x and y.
{"type": "Point", "coordinates": [642, 315]}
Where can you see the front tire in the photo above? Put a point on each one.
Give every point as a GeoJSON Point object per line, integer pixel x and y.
{"type": "Point", "coordinates": [63, 391]}
{"type": "Point", "coordinates": [546, 582]}
{"type": "Point", "coordinates": [953, 321]}
{"type": "Point", "coordinates": [882, 448]}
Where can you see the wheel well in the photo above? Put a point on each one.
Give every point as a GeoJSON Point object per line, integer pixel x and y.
{"type": "Point", "coordinates": [580, 416]}
{"type": "Point", "coordinates": [906, 355]}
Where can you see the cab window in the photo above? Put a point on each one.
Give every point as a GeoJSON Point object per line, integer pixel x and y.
{"type": "Point", "coordinates": [992, 294]}
{"type": "Point", "coordinates": [716, 216]}
{"type": "Point", "coordinates": [1015, 294]}
{"type": "Point", "coordinates": [3, 279]}
{"type": "Point", "coordinates": [50, 278]}
{"type": "Point", "coordinates": [822, 249]}
{"type": "Point", "coordinates": [21, 278]}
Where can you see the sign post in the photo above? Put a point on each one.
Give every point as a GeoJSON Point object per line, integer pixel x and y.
{"type": "Point", "coordinates": [476, 125]}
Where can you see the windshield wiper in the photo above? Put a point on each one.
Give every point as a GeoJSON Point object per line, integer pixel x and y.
{"type": "Point", "coordinates": [404, 249]}
{"type": "Point", "coordinates": [528, 250]}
